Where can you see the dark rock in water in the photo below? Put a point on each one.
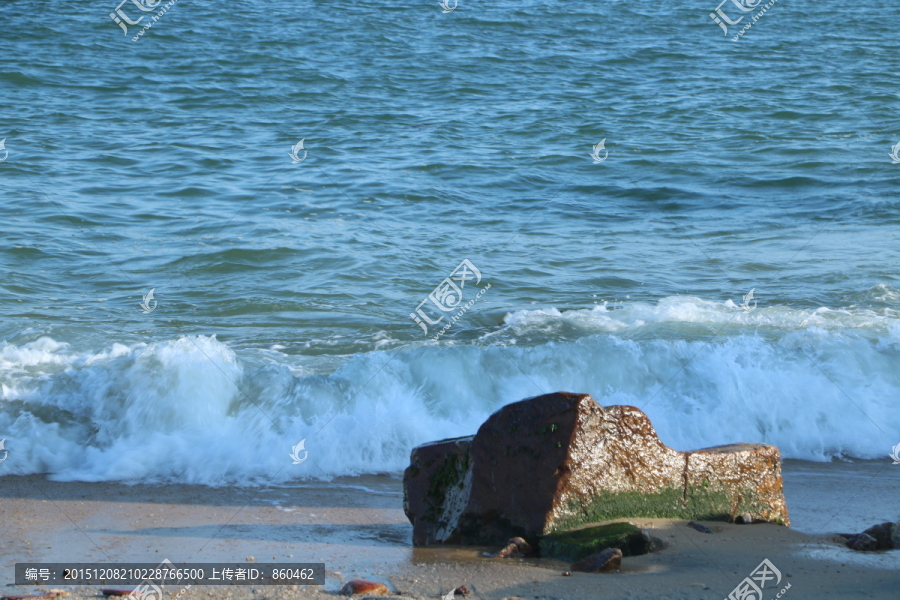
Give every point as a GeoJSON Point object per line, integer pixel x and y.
{"type": "Point", "coordinates": [510, 551]}
{"type": "Point", "coordinates": [523, 546]}
{"type": "Point", "coordinates": [886, 534]}
{"type": "Point", "coordinates": [516, 548]}
{"type": "Point", "coordinates": [862, 542]}
{"type": "Point", "coordinates": [699, 527]}
{"type": "Point", "coordinates": [580, 543]}
{"type": "Point", "coordinates": [362, 586]}
{"type": "Point", "coordinates": [603, 562]}
{"type": "Point", "coordinates": [561, 461]}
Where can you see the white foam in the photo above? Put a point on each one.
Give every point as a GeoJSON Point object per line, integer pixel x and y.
{"type": "Point", "coordinates": [819, 385]}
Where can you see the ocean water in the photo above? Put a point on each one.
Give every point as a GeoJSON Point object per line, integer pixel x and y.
{"type": "Point", "coordinates": [287, 291]}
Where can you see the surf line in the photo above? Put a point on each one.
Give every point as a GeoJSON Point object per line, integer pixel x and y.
{"type": "Point", "coordinates": [462, 311]}
{"type": "Point", "coordinates": [755, 18]}
{"type": "Point", "coordinates": [156, 17]}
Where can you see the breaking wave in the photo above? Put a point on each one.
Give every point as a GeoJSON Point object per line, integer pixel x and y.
{"type": "Point", "coordinates": [817, 383]}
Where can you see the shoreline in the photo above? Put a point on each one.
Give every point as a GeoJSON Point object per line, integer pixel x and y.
{"type": "Point", "coordinates": [356, 526]}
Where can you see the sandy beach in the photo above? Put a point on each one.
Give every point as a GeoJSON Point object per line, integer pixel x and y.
{"type": "Point", "coordinates": [356, 526]}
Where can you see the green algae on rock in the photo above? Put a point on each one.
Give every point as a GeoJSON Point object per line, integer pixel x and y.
{"type": "Point", "coordinates": [581, 543]}
{"type": "Point", "coordinates": [561, 461]}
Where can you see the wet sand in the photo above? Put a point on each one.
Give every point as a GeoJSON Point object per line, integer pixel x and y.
{"type": "Point", "coordinates": [356, 526]}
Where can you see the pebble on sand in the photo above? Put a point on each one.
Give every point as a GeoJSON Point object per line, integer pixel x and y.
{"type": "Point", "coordinates": [362, 586]}
{"type": "Point", "coordinates": [515, 548]}
{"type": "Point", "coordinates": [699, 527]}
{"type": "Point", "coordinates": [863, 542]}
{"type": "Point", "coordinates": [603, 562]}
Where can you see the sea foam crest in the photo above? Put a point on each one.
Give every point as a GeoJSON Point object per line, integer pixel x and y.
{"type": "Point", "coordinates": [189, 410]}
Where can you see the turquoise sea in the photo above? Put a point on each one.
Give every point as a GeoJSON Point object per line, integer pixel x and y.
{"type": "Point", "coordinates": [619, 176]}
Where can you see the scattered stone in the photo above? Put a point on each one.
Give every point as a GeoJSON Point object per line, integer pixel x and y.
{"type": "Point", "coordinates": [699, 527]}
{"type": "Point", "coordinates": [462, 590]}
{"type": "Point", "coordinates": [580, 543]}
{"type": "Point", "coordinates": [567, 573]}
{"type": "Point", "coordinates": [363, 586]}
{"type": "Point", "coordinates": [510, 551]}
{"type": "Point", "coordinates": [250, 559]}
{"type": "Point", "coordinates": [560, 461]}
{"type": "Point", "coordinates": [886, 534]}
{"type": "Point", "coordinates": [862, 542]}
{"type": "Point", "coordinates": [604, 562]}
{"type": "Point", "coordinates": [516, 548]}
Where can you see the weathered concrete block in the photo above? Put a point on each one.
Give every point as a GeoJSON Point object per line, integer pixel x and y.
{"type": "Point", "coordinates": [436, 488]}
{"type": "Point", "coordinates": [559, 461]}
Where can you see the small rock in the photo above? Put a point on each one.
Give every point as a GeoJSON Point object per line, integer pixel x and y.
{"type": "Point", "coordinates": [862, 542]}
{"type": "Point", "coordinates": [567, 573]}
{"type": "Point", "coordinates": [885, 535]}
{"type": "Point", "coordinates": [744, 519]}
{"type": "Point", "coordinates": [603, 562]}
{"type": "Point", "coordinates": [250, 559]}
{"type": "Point", "coordinates": [523, 546]}
{"type": "Point", "coordinates": [699, 527]}
{"type": "Point", "coordinates": [462, 590]}
{"type": "Point", "coordinates": [362, 586]}
{"type": "Point", "coordinates": [510, 551]}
